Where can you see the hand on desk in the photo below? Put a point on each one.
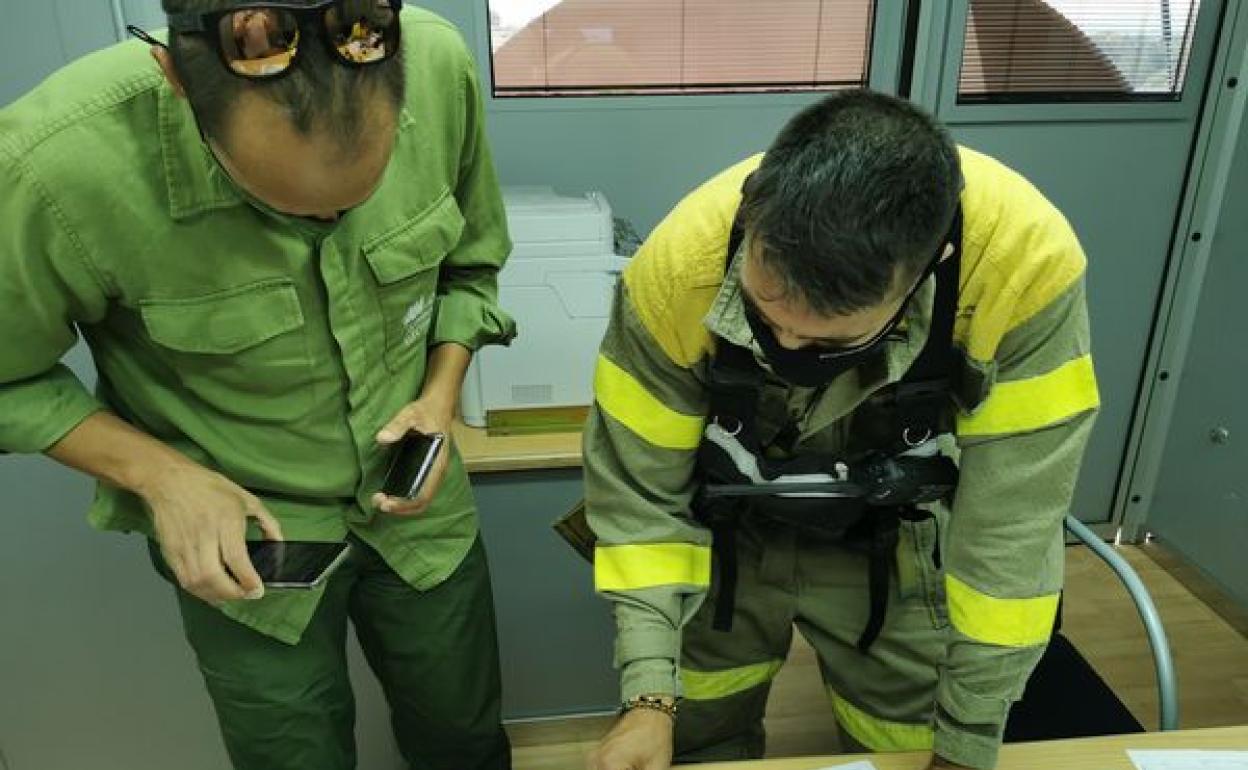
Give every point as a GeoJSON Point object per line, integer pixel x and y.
{"type": "Point", "coordinates": [641, 740]}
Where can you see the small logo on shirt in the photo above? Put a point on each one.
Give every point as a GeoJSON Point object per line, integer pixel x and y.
{"type": "Point", "coordinates": [416, 320]}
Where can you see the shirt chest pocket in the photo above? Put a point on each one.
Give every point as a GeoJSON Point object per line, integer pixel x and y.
{"type": "Point", "coordinates": [405, 266]}
{"type": "Point", "coordinates": [242, 351]}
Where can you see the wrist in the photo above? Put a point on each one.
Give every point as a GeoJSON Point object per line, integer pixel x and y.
{"type": "Point", "coordinates": [440, 405]}
{"type": "Point", "coordinates": [656, 704]}
{"type": "Point", "coordinates": [146, 476]}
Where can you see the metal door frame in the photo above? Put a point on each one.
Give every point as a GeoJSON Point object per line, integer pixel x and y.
{"type": "Point", "coordinates": [1223, 117]}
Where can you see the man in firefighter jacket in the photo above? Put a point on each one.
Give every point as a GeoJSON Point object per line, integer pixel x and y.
{"type": "Point", "coordinates": [846, 388]}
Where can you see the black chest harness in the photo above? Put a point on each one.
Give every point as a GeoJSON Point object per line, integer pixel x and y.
{"type": "Point", "coordinates": [857, 499]}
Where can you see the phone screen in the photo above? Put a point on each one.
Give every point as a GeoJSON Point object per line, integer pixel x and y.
{"type": "Point", "coordinates": [412, 460]}
{"type": "Point", "coordinates": [294, 563]}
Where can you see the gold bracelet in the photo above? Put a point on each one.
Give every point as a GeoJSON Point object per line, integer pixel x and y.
{"type": "Point", "coordinates": [667, 705]}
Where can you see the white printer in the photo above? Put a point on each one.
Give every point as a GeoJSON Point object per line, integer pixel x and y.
{"type": "Point", "coordinates": [558, 284]}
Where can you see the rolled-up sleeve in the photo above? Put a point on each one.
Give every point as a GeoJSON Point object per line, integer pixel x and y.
{"type": "Point", "coordinates": [467, 311]}
{"type": "Point", "coordinates": [47, 284]}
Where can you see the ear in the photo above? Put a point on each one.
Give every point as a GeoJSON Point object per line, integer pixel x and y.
{"type": "Point", "coordinates": [165, 60]}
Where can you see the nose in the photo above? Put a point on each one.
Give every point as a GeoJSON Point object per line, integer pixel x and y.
{"type": "Point", "coordinates": [789, 341]}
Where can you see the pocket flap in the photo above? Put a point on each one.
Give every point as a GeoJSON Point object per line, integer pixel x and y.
{"type": "Point", "coordinates": [225, 322]}
{"type": "Point", "coordinates": [416, 245]}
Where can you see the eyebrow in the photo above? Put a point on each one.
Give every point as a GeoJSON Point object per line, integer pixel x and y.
{"type": "Point", "coordinates": [745, 294]}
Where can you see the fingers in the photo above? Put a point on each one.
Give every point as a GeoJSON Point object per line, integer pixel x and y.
{"type": "Point", "coordinates": [401, 506]}
{"type": "Point", "coordinates": [175, 559]}
{"type": "Point", "coordinates": [238, 560]}
{"type": "Point", "coordinates": [606, 758]}
{"type": "Point", "coordinates": [597, 761]}
{"type": "Point", "coordinates": [397, 428]}
{"type": "Point", "coordinates": [657, 762]}
{"type": "Point", "coordinates": [268, 524]}
{"type": "Point", "coordinates": [416, 416]}
{"type": "Point", "coordinates": [204, 574]}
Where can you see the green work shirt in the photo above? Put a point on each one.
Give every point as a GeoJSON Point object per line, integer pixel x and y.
{"type": "Point", "coordinates": [268, 348]}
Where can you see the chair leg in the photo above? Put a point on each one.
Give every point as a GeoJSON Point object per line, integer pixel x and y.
{"type": "Point", "coordinates": [1166, 682]}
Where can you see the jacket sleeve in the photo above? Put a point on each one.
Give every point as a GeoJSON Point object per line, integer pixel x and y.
{"type": "Point", "coordinates": [652, 561]}
{"type": "Point", "coordinates": [467, 310]}
{"type": "Point", "coordinates": [1020, 457]}
{"type": "Point", "coordinates": [47, 284]}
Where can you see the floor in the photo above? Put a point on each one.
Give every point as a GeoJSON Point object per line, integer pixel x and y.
{"type": "Point", "coordinates": [1211, 658]}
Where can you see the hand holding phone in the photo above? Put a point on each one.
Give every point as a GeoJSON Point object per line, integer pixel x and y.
{"type": "Point", "coordinates": [416, 454]}
{"type": "Point", "coordinates": [411, 464]}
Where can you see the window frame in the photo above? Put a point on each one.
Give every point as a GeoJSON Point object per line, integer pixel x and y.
{"type": "Point", "coordinates": [941, 74]}
{"type": "Point", "coordinates": [883, 61]}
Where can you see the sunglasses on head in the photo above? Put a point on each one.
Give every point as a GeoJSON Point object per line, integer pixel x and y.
{"type": "Point", "coordinates": [263, 40]}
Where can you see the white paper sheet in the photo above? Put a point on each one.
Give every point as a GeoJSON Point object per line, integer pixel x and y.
{"type": "Point", "coordinates": [851, 766]}
{"type": "Point", "coordinates": [1189, 760]}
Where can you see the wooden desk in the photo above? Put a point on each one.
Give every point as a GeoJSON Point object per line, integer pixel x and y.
{"type": "Point", "coordinates": [1108, 753]}
{"type": "Point", "coordinates": [489, 454]}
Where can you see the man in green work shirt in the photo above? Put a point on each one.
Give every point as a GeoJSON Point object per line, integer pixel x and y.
{"type": "Point", "coordinates": [280, 240]}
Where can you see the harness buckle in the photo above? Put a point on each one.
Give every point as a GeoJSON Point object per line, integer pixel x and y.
{"type": "Point", "coordinates": [913, 443]}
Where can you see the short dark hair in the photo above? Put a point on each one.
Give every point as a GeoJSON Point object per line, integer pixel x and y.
{"type": "Point", "coordinates": [318, 94]}
{"type": "Point", "coordinates": [856, 193]}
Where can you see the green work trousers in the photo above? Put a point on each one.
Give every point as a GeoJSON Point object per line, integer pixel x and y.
{"type": "Point", "coordinates": [284, 707]}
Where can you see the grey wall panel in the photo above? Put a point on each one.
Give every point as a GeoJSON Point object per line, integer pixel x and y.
{"type": "Point", "coordinates": [36, 38]}
{"type": "Point", "coordinates": [555, 633]}
{"type": "Point", "coordinates": [1200, 504]}
{"type": "Point", "coordinates": [144, 13]}
{"type": "Point", "coordinates": [644, 160]}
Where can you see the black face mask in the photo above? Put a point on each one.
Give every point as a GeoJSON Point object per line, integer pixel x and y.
{"type": "Point", "coordinates": [811, 367]}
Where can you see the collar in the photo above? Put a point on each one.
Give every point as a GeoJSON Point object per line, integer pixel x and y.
{"type": "Point", "coordinates": [194, 180]}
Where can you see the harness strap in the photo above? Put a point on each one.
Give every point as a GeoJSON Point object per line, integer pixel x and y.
{"type": "Point", "coordinates": [921, 396]}
{"type": "Point", "coordinates": [724, 547]}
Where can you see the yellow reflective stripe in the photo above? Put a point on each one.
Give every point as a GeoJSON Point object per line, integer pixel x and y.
{"type": "Point", "coordinates": [712, 685]}
{"type": "Point", "coordinates": [1006, 622]}
{"type": "Point", "coordinates": [625, 399]}
{"type": "Point", "coordinates": [880, 734]}
{"type": "Point", "coordinates": [1037, 402]}
{"type": "Point", "coordinates": [630, 567]}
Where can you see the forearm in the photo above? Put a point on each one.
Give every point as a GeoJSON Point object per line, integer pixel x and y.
{"type": "Point", "coordinates": [448, 364]}
{"type": "Point", "coordinates": [116, 453]}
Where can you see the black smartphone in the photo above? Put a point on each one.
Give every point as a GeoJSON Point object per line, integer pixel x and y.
{"type": "Point", "coordinates": [295, 563]}
{"type": "Point", "coordinates": [411, 462]}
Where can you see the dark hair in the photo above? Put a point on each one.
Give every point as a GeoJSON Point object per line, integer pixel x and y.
{"type": "Point", "coordinates": [318, 93]}
{"type": "Point", "coordinates": [856, 193]}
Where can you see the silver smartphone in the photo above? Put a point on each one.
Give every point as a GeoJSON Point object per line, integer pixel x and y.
{"type": "Point", "coordinates": [295, 563]}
